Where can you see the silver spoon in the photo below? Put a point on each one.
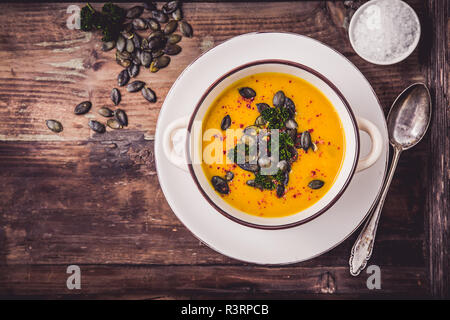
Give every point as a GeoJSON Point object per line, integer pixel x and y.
{"type": "Point", "coordinates": [407, 122]}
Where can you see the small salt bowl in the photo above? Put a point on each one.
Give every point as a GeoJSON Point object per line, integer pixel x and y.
{"type": "Point", "coordinates": [384, 32]}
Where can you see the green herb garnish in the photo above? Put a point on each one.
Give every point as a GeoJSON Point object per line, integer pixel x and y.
{"type": "Point", "coordinates": [109, 21]}
{"type": "Point", "coordinates": [264, 181]}
{"type": "Point", "coordinates": [276, 117]}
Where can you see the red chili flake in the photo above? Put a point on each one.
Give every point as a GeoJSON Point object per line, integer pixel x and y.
{"type": "Point", "coordinates": [313, 173]}
{"type": "Point", "coordinates": [290, 81]}
{"type": "Point", "coordinates": [339, 148]}
{"type": "Point", "coordinates": [248, 105]}
{"type": "Point", "coordinates": [241, 125]}
{"type": "Point", "coordinates": [218, 168]}
{"type": "Point", "coordinates": [210, 166]}
{"type": "Point", "coordinates": [224, 152]}
{"type": "Point", "coordinates": [294, 196]}
{"type": "Point", "coordinates": [233, 122]}
{"type": "Point", "coordinates": [256, 80]}
{"type": "Point", "coordinates": [329, 143]}
{"type": "Point", "coordinates": [320, 154]}
{"type": "Point", "coordinates": [310, 101]}
{"type": "Point", "coordinates": [310, 130]}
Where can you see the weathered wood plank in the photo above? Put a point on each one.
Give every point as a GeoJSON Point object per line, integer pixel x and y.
{"type": "Point", "coordinates": [108, 208]}
{"type": "Point", "coordinates": [439, 190]}
{"type": "Point", "coordinates": [168, 282]}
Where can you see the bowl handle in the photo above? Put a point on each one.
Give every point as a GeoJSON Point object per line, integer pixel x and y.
{"type": "Point", "coordinates": [377, 144]}
{"type": "Point", "coordinates": [176, 156]}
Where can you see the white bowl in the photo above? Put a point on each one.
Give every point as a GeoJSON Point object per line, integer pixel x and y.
{"type": "Point", "coordinates": [393, 61]}
{"type": "Point", "coordinates": [349, 166]}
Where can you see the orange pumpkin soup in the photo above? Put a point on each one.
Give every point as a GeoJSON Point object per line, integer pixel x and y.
{"type": "Point", "coordinates": [311, 143]}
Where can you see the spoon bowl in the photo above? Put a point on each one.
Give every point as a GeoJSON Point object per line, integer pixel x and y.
{"type": "Point", "coordinates": [409, 117]}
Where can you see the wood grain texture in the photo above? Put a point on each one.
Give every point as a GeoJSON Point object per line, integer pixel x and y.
{"type": "Point", "coordinates": [438, 198]}
{"type": "Point", "coordinates": [94, 200]}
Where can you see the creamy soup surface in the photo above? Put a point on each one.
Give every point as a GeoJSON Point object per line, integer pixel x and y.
{"type": "Point", "coordinates": [314, 113]}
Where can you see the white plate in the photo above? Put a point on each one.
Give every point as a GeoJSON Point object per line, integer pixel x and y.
{"type": "Point", "coordinates": [270, 246]}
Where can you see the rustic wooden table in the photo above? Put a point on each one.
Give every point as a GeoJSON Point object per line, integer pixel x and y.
{"type": "Point", "coordinates": [94, 200]}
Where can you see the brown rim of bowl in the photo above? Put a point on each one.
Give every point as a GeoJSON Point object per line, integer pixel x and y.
{"type": "Point", "coordinates": [293, 224]}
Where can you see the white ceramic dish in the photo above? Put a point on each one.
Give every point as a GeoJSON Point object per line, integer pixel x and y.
{"type": "Point", "coordinates": [350, 163]}
{"type": "Point", "coordinates": [275, 246]}
{"type": "Point", "coordinates": [351, 30]}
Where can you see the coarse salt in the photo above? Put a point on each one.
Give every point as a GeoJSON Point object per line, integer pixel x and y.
{"type": "Point", "coordinates": [385, 31]}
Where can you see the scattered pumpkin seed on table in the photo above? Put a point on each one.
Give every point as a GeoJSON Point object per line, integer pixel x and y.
{"type": "Point", "coordinates": [119, 30]}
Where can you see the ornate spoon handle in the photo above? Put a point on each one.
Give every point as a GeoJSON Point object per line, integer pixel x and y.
{"type": "Point", "coordinates": [362, 249]}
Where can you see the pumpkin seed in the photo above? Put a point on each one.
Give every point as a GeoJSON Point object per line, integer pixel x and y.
{"type": "Point", "coordinates": [286, 178]}
{"type": "Point", "coordinates": [83, 107]}
{"type": "Point", "coordinates": [120, 44]}
{"type": "Point", "coordinates": [157, 54]}
{"type": "Point", "coordinates": [172, 49]}
{"type": "Point", "coordinates": [133, 70]}
{"type": "Point", "coordinates": [174, 38]}
{"type": "Point", "coordinates": [153, 24]}
{"type": "Point", "coordinates": [123, 78]}
{"type": "Point", "coordinates": [135, 86]}
{"type": "Point", "coordinates": [264, 162]}
{"type": "Point", "coordinates": [260, 122]}
{"type": "Point", "coordinates": [305, 140]}
{"type": "Point", "coordinates": [291, 124]}
{"type": "Point", "coordinates": [247, 92]}
{"type": "Point", "coordinates": [162, 62]}
{"type": "Point", "coordinates": [226, 122]}
{"type": "Point", "coordinates": [156, 34]}
{"type": "Point", "coordinates": [134, 12]}
{"type": "Point", "coordinates": [54, 125]}
{"type": "Point", "coordinates": [177, 15]}
{"type": "Point", "coordinates": [220, 185]}
{"type": "Point", "coordinates": [153, 68]}
{"type": "Point", "coordinates": [186, 29]}
{"type": "Point", "coordinates": [127, 34]}
{"type": "Point", "coordinates": [146, 58]}
{"type": "Point", "coordinates": [290, 106]}
{"type": "Point", "coordinates": [262, 106]}
{"type": "Point", "coordinates": [121, 117]}
{"type": "Point", "coordinates": [155, 43]}
{"type": "Point", "coordinates": [105, 112]}
{"type": "Point", "coordinates": [279, 99]}
{"type": "Point", "coordinates": [113, 124]}
{"type": "Point", "coordinates": [136, 40]}
{"type": "Point", "coordinates": [170, 27]}
{"type": "Point", "coordinates": [129, 46]}
{"type": "Point", "coordinates": [251, 131]}
{"type": "Point", "coordinates": [280, 190]}
{"type": "Point", "coordinates": [97, 126]}
{"type": "Point", "coordinates": [284, 166]}
{"type": "Point", "coordinates": [106, 46]}
{"type": "Point", "coordinates": [115, 96]}
{"type": "Point", "coordinates": [170, 7]}
{"type": "Point", "coordinates": [160, 16]}
{"type": "Point", "coordinates": [123, 63]}
{"type": "Point", "coordinates": [139, 24]}
{"type": "Point", "coordinates": [148, 94]}
{"type": "Point", "coordinates": [229, 176]}
{"type": "Point", "coordinates": [249, 167]}
{"type": "Point", "coordinates": [316, 184]}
